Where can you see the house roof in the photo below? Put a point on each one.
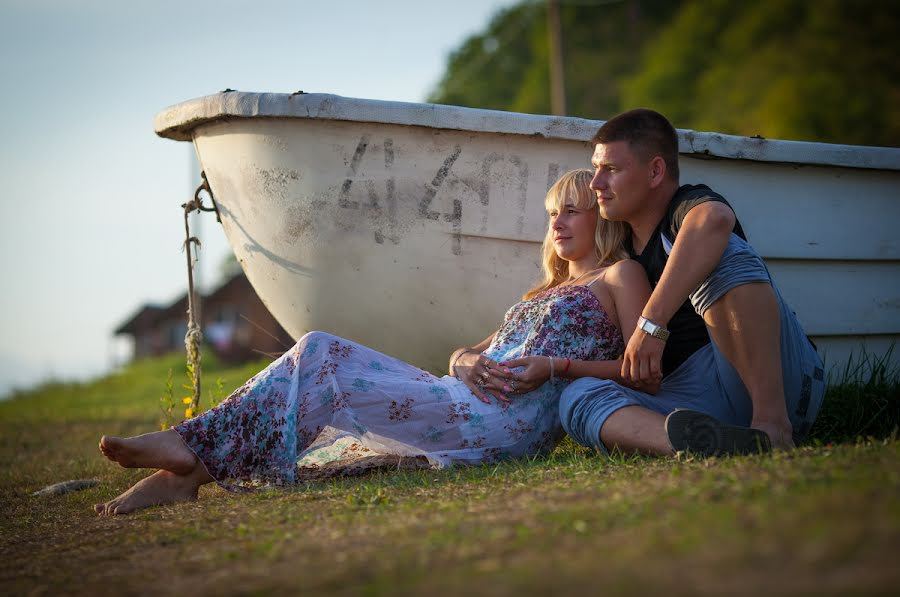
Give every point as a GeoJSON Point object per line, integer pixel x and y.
{"type": "Point", "coordinates": [149, 315]}
{"type": "Point", "coordinates": [145, 317]}
{"type": "Point", "coordinates": [238, 279]}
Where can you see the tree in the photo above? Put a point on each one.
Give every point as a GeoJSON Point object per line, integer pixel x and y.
{"type": "Point", "coordinates": [817, 70]}
{"type": "Point", "coordinates": [506, 68]}
{"type": "Point", "coordinates": [488, 70]}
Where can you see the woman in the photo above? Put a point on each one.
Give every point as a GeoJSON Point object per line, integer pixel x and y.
{"type": "Point", "coordinates": [499, 401]}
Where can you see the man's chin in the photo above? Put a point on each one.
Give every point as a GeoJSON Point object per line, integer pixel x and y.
{"type": "Point", "coordinates": [609, 215]}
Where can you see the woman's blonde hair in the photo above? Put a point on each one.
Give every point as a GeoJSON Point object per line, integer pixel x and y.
{"type": "Point", "coordinates": [609, 237]}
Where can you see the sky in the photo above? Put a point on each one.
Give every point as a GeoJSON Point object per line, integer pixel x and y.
{"type": "Point", "coordinates": [90, 197]}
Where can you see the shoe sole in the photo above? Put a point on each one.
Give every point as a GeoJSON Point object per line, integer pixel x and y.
{"type": "Point", "coordinates": [697, 433]}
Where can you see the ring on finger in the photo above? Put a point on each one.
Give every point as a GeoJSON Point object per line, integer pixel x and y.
{"type": "Point", "coordinates": [512, 384]}
{"type": "Point", "coordinates": [484, 376]}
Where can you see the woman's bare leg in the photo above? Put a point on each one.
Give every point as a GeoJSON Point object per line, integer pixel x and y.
{"type": "Point", "coordinates": [161, 449]}
{"type": "Point", "coordinates": [162, 487]}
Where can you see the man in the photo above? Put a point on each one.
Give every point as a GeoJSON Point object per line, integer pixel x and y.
{"type": "Point", "coordinates": [738, 373]}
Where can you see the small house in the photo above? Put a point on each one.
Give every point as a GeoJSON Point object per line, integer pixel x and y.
{"type": "Point", "coordinates": [236, 325]}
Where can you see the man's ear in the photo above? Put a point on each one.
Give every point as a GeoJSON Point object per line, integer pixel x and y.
{"type": "Point", "coordinates": [657, 171]}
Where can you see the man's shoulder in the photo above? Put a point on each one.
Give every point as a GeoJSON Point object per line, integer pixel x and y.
{"type": "Point", "coordinates": [687, 193]}
{"type": "Point", "coordinates": [686, 198]}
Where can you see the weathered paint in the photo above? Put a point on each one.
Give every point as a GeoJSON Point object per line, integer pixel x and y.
{"type": "Point", "coordinates": [411, 227]}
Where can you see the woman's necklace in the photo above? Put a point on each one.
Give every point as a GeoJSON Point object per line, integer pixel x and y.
{"type": "Point", "coordinates": [572, 281]}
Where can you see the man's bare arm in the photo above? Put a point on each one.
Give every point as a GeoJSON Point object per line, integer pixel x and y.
{"type": "Point", "coordinates": [699, 246]}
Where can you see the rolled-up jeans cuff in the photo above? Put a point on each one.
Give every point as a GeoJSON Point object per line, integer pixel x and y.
{"type": "Point", "coordinates": [739, 265]}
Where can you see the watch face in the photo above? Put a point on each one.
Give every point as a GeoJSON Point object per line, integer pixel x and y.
{"type": "Point", "coordinates": [654, 330]}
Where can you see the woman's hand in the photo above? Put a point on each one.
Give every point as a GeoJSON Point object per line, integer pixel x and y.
{"type": "Point", "coordinates": [482, 376]}
{"type": "Point", "coordinates": [537, 371]}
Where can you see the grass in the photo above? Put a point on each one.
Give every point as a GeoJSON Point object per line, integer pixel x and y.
{"type": "Point", "coordinates": [824, 519]}
{"type": "Point", "coordinates": [862, 400]}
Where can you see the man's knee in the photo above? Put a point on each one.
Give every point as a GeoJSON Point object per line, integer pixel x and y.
{"type": "Point", "coordinates": [754, 295]}
{"type": "Point", "coordinates": [740, 265]}
{"type": "Point", "coordinates": [581, 397]}
{"type": "Point", "coordinates": [588, 388]}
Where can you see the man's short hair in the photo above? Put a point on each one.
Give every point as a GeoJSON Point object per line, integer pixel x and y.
{"type": "Point", "coordinates": [648, 133]}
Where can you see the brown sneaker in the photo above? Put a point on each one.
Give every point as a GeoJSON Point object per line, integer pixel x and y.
{"type": "Point", "coordinates": [697, 433]}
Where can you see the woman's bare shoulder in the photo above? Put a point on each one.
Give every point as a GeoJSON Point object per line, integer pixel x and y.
{"type": "Point", "coordinates": [624, 271]}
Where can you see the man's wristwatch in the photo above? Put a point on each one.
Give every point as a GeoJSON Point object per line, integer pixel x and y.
{"type": "Point", "coordinates": [648, 327]}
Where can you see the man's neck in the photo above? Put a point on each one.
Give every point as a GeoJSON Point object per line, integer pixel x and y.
{"type": "Point", "coordinates": [644, 223]}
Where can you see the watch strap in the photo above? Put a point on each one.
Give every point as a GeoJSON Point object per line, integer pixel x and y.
{"type": "Point", "coordinates": [653, 329]}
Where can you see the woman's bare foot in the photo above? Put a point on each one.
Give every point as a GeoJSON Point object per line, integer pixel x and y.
{"type": "Point", "coordinates": [160, 449]}
{"type": "Point", "coordinates": [162, 487]}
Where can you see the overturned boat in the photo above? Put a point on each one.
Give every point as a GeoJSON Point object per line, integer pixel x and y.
{"type": "Point", "coordinates": [411, 227]}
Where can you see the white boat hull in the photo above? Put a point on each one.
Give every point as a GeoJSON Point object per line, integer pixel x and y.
{"type": "Point", "coordinates": [413, 235]}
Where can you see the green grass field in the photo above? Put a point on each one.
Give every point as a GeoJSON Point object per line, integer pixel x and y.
{"type": "Point", "coordinates": [822, 520]}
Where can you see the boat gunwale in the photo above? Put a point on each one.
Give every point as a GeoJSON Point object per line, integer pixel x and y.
{"type": "Point", "coordinates": [178, 122]}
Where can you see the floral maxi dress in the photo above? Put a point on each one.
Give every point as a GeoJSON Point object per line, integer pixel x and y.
{"type": "Point", "coordinates": [260, 432]}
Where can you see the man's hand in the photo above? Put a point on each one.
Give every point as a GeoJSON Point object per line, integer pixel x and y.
{"type": "Point", "coordinates": [648, 388]}
{"type": "Point", "coordinates": [642, 362]}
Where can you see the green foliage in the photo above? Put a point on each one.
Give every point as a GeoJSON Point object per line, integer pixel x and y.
{"type": "Point", "coordinates": [862, 400]}
{"type": "Point", "coordinates": [167, 403]}
{"type": "Point", "coordinates": [602, 47]}
{"type": "Point", "coordinates": [488, 70]}
{"type": "Point", "coordinates": [218, 393]}
{"type": "Point", "coordinates": [506, 68]}
{"type": "Point", "coordinates": [795, 69]}
{"type": "Point", "coordinates": [132, 394]}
